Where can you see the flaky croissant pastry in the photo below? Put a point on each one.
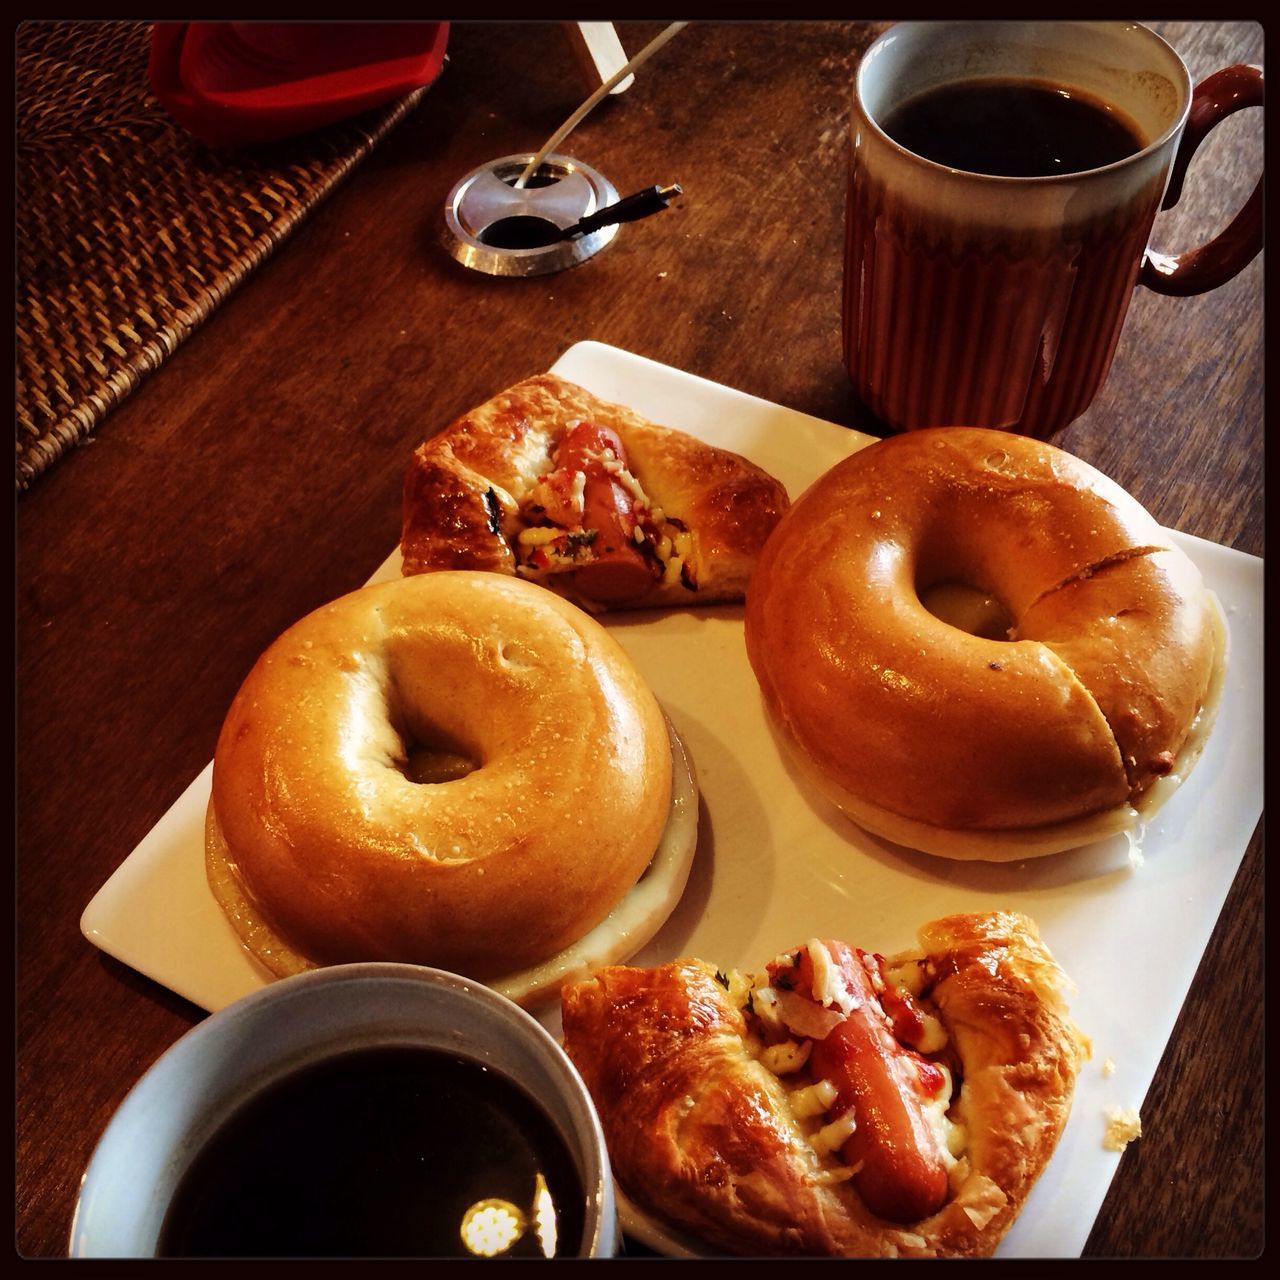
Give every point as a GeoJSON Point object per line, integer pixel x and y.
{"type": "Point", "coordinates": [548, 482]}
{"type": "Point", "coordinates": [842, 1103]}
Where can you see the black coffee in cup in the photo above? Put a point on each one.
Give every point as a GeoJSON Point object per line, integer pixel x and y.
{"type": "Point", "coordinates": [1013, 128]}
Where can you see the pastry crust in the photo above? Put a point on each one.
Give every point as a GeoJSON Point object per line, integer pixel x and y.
{"type": "Point", "coordinates": [465, 487]}
{"type": "Point", "coordinates": [702, 1135]}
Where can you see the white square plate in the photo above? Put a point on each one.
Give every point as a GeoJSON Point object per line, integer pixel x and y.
{"type": "Point", "coordinates": [777, 864]}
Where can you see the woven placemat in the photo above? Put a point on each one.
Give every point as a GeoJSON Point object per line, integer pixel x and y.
{"type": "Point", "coordinates": [129, 230]}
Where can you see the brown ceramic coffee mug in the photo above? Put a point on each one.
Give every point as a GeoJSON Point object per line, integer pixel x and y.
{"type": "Point", "coordinates": [1004, 181]}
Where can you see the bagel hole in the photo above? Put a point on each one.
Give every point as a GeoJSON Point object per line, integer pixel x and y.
{"type": "Point", "coordinates": [431, 756]}
{"type": "Point", "coordinates": [434, 764]}
{"type": "Point", "coordinates": [968, 608]}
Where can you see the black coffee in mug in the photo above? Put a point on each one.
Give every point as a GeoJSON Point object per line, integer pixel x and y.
{"type": "Point", "coordinates": [1003, 182]}
{"type": "Point", "coordinates": [1013, 128]}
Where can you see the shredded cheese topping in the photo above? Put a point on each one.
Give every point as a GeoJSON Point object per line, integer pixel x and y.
{"type": "Point", "coordinates": [813, 1100]}
{"type": "Point", "coordinates": [787, 1057]}
{"type": "Point", "coordinates": [829, 987]}
{"type": "Point", "coordinates": [833, 1136]}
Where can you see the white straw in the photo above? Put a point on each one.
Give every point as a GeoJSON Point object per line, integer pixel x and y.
{"type": "Point", "coordinates": [574, 120]}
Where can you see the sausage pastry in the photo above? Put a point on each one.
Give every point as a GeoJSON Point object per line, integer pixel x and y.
{"type": "Point", "coordinates": [840, 1103]}
{"type": "Point", "coordinates": [547, 482]}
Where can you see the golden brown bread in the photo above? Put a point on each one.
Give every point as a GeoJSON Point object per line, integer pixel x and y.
{"type": "Point", "coordinates": [466, 492]}
{"type": "Point", "coordinates": [955, 743]}
{"type": "Point", "coordinates": [702, 1135]}
{"type": "Point", "coordinates": [324, 850]}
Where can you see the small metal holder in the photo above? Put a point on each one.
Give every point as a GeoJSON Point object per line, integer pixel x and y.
{"type": "Point", "coordinates": [491, 225]}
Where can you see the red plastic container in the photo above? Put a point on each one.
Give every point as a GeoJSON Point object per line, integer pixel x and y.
{"type": "Point", "coordinates": [235, 83]}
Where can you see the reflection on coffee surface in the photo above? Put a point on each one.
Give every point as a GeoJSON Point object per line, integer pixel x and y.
{"type": "Point", "coordinates": [395, 1152]}
{"type": "Point", "coordinates": [1013, 128]}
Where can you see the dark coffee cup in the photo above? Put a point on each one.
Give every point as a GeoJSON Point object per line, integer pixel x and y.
{"type": "Point", "coordinates": [1004, 181]}
{"type": "Point", "coordinates": [311, 1085]}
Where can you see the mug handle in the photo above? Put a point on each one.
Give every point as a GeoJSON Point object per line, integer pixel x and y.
{"type": "Point", "coordinates": [1199, 270]}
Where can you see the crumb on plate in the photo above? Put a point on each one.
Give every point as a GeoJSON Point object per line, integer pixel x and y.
{"type": "Point", "coordinates": [1123, 1126]}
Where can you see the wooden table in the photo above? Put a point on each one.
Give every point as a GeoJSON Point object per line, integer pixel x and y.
{"type": "Point", "coordinates": [257, 475]}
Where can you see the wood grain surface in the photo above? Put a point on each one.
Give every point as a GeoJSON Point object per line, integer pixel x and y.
{"type": "Point", "coordinates": [257, 475]}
